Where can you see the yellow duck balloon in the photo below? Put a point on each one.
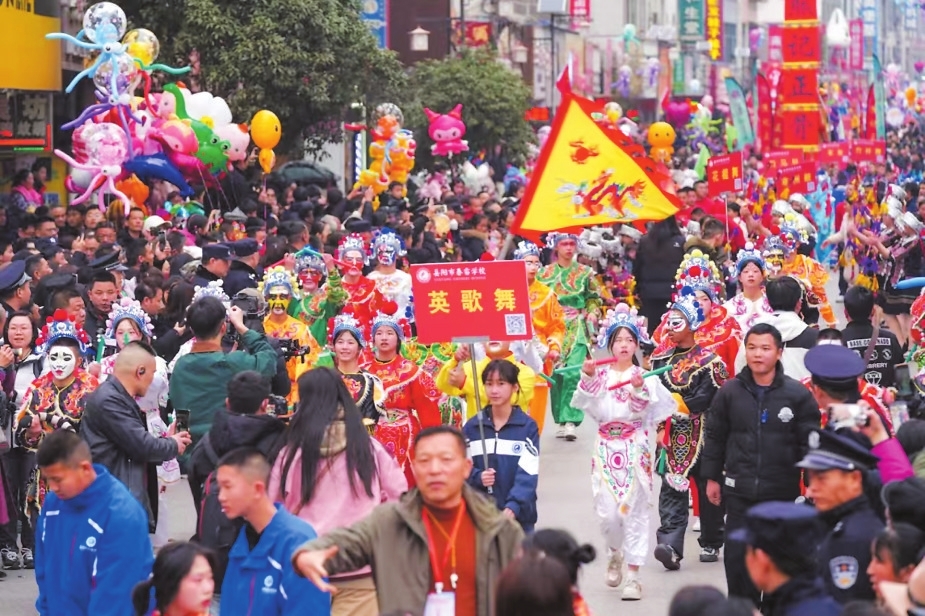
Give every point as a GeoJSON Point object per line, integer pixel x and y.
{"type": "Point", "coordinates": [266, 133]}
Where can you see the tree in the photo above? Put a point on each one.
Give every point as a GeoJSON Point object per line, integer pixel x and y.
{"type": "Point", "coordinates": [305, 60]}
{"type": "Point", "coordinates": [494, 101]}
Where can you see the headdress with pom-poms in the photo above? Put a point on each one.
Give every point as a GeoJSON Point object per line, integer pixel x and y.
{"type": "Point", "coordinates": [698, 273]}
{"type": "Point", "coordinates": [554, 237]}
{"type": "Point", "coordinates": [526, 249]}
{"type": "Point", "coordinates": [792, 232]}
{"type": "Point", "coordinates": [346, 322]}
{"type": "Point", "coordinates": [311, 262]}
{"type": "Point", "coordinates": [352, 243]}
{"type": "Point", "coordinates": [622, 316]}
{"type": "Point", "coordinates": [747, 255]}
{"type": "Point", "coordinates": [692, 310]}
{"type": "Point", "coordinates": [387, 317]}
{"type": "Point", "coordinates": [213, 289]}
{"type": "Point", "coordinates": [279, 276]}
{"type": "Point", "coordinates": [589, 244]}
{"type": "Point", "coordinates": [60, 326]}
{"type": "Point", "coordinates": [127, 308]}
{"type": "Point", "coordinates": [388, 240]}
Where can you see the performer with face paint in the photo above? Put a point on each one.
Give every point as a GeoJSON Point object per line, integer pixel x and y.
{"type": "Point", "coordinates": [55, 400]}
{"type": "Point", "coordinates": [347, 343]}
{"type": "Point", "coordinates": [279, 287]}
{"type": "Point", "coordinates": [322, 297]}
{"type": "Point", "coordinates": [579, 292]}
{"type": "Point", "coordinates": [410, 393]}
{"type": "Point", "coordinates": [750, 302]}
{"type": "Point", "coordinates": [693, 379]}
{"type": "Point", "coordinates": [392, 283]}
{"type": "Point", "coordinates": [362, 295]}
{"type": "Point", "coordinates": [811, 274]}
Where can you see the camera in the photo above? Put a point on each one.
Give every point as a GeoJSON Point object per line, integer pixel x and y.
{"type": "Point", "coordinates": [847, 416]}
{"type": "Point", "coordinates": [290, 348]}
{"type": "Point", "coordinates": [277, 407]}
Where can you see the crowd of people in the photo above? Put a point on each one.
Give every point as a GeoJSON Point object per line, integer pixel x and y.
{"type": "Point", "coordinates": [261, 343]}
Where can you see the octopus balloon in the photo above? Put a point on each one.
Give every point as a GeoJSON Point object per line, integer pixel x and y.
{"type": "Point", "coordinates": [107, 148]}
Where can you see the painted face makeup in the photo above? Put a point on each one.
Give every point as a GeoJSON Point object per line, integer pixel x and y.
{"type": "Point", "coordinates": [675, 323]}
{"type": "Point", "coordinates": [278, 300]}
{"type": "Point", "coordinates": [62, 361]}
{"type": "Point", "coordinates": [354, 262]}
{"type": "Point", "coordinates": [385, 255]}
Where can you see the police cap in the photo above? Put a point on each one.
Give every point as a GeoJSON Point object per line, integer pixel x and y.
{"type": "Point", "coordinates": [782, 530]}
{"type": "Point", "coordinates": [829, 450]}
{"type": "Point", "coordinates": [834, 365]}
{"type": "Point", "coordinates": [244, 247]}
{"type": "Point", "coordinates": [13, 276]}
{"type": "Point", "coordinates": [107, 263]}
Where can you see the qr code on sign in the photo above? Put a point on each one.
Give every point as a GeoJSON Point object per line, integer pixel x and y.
{"type": "Point", "coordinates": [515, 325]}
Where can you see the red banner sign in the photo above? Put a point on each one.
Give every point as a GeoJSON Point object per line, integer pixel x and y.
{"type": "Point", "coordinates": [483, 299]}
{"type": "Point", "coordinates": [765, 112]}
{"type": "Point", "coordinates": [799, 86]}
{"type": "Point", "coordinates": [856, 48]}
{"type": "Point", "coordinates": [834, 153]}
{"type": "Point", "coordinates": [579, 9]}
{"type": "Point", "coordinates": [713, 16]}
{"type": "Point", "coordinates": [797, 179]}
{"type": "Point", "coordinates": [800, 128]}
{"type": "Point", "coordinates": [801, 44]}
{"type": "Point", "coordinates": [800, 10]}
{"type": "Point", "coordinates": [775, 43]}
{"type": "Point", "coordinates": [868, 151]}
{"type": "Point", "coordinates": [775, 161]}
{"type": "Point", "coordinates": [724, 173]}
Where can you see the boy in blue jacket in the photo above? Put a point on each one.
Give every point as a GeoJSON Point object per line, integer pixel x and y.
{"type": "Point", "coordinates": [91, 541]}
{"type": "Point", "coordinates": [260, 580]}
{"type": "Point", "coordinates": [512, 441]}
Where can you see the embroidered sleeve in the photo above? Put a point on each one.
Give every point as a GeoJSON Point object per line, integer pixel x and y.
{"type": "Point", "coordinates": [593, 385]}
{"type": "Point", "coordinates": [639, 398]}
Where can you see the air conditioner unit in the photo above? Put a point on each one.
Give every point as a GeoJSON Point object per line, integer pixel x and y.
{"type": "Point", "coordinates": [556, 7]}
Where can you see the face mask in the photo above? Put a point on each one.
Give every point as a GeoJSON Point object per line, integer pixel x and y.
{"type": "Point", "coordinates": [62, 362]}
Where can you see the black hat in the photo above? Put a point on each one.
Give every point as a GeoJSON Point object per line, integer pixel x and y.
{"type": "Point", "coordinates": [781, 529]}
{"type": "Point", "coordinates": [108, 263]}
{"type": "Point", "coordinates": [244, 247]}
{"type": "Point", "coordinates": [49, 250]}
{"type": "Point", "coordinates": [834, 365]}
{"type": "Point", "coordinates": [51, 284]}
{"type": "Point", "coordinates": [357, 225]}
{"type": "Point", "coordinates": [254, 223]}
{"type": "Point", "coordinates": [905, 501]}
{"type": "Point", "coordinates": [235, 215]}
{"type": "Point", "coordinates": [829, 450]}
{"type": "Point", "coordinates": [13, 276]}
{"type": "Point", "coordinates": [196, 221]}
{"type": "Point", "coordinates": [216, 251]}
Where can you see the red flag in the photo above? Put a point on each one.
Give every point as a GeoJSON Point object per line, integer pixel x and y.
{"type": "Point", "coordinates": [870, 127]}
{"type": "Point", "coordinates": [564, 82]}
{"type": "Point", "coordinates": [764, 115]}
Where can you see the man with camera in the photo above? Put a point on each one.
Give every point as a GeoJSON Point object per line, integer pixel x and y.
{"type": "Point", "coordinates": [200, 378]}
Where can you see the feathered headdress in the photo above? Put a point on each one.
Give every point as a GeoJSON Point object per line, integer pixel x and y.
{"type": "Point", "coordinates": [213, 289]}
{"type": "Point", "coordinates": [698, 273]}
{"type": "Point", "coordinates": [279, 276]}
{"type": "Point", "coordinates": [60, 326]}
{"type": "Point", "coordinates": [128, 308]}
{"type": "Point", "coordinates": [526, 249]}
{"type": "Point", "coordinates": [352, 243]}
{"type": "Point", "coordinates": [691, 309]}
{"type": "Point", "coordinates": [622, 316]}
{"type": "Point", "coordinates": [346, 322]}
{"type": "Point", "coordinates": [747, 255]}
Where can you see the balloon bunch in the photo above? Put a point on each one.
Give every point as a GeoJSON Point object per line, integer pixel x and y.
{"type": "Point", "coordinates": [392, 150]}
{"type": "Point", "coordinates": [128, 138]}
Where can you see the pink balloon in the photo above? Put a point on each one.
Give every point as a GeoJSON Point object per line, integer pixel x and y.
{"type": "Point", "coordinates": [107, 145]}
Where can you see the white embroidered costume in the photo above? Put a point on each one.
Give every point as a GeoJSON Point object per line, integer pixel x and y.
{"type": "Point", "coordinates": [747, 312]}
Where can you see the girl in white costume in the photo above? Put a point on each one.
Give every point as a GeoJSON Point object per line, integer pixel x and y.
{"type": "Point", "coordinates": [621, 467]}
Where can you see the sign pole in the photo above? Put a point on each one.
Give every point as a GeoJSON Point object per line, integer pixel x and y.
{"type": "Point", "coordinates": [478, 398]}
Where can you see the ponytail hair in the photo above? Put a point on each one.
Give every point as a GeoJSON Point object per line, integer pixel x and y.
{"type": "Point", "coordinates": [141, 596]}
{"type": "Point", "coordinates": [173, 563]}
{"type": "Point", "coordinates": [561, 545]}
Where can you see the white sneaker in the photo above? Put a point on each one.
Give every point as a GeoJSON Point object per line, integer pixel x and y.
{"type": "Point", "coordinates": [570, 432]}
{"type": "Point", "coordinates": [696, 527]}
{"type": "Point", "coordinates": [632, 591]}
{"type": "Point", "coordinates": [560, 432]}
{"type": "Point", "coordinates": [615, 569]}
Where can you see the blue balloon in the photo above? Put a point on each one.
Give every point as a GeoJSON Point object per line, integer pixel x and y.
{"type": "Point", "coordinates": [910, 283]}
{"type": "Point", "coordinates": [157, 166]}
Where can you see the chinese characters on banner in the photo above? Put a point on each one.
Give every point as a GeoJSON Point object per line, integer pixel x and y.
{"type": "Point", "coordinates": [800, 10]}
{"type": "Point", "coordinates": [691, 17]}
{"type": "Point", "coordinates": [486, 300]}
{"type": "Point", "coordinates": [834, 154]}
{"type": "Point", "coordinates": [724, 173]}
{"type": "Point", "coordinates": [799, 86]}
{"type": "Point", "coordinates": [797, 179]}
{"type": "Point", "coordinates": [798, 110]}
{"type": "Point", "coordinates": [868, 151]}
{"type": "Point", "coordinates": [714, 27]}
{"type": "Point", "coordinates": [856, 48]}
{"type": "Point", "coordinates": [775, 161]}
{"type": "Point", "coordinates": [765, 112]}
{"type": "Point", "coordinates": [26, 120]}
{"type": "Point", "coordinates": [800, 128]}
{"type": "Point", "coordinates": [775, 43]}
{"type": "Point", "coordinates": [801, 44]}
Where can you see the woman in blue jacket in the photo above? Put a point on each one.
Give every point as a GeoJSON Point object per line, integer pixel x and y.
{"type": "Point", "coordinates": [509, 471]}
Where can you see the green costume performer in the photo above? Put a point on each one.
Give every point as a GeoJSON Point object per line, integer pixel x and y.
{"type": "Point", "coordinates": [579, 292]}
{"type": "Point", "coordinates": [317, 308]}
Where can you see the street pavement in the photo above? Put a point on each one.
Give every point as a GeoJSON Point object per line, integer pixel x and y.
{"type": "Point", "coordinates": [564, 502]}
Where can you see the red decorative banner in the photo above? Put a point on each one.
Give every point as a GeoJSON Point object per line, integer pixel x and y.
{"type": "Point", "coordinates": [834, 153]}
{"type": "Point", "coordinates": [801, 128]}
{"type": "Point", "coordinates": [714, 21]}
{"type": "Point", "coordinates": [774, 161]}
{"type": "Point", "coordinates": [775, 43]}
{"type": "Point", "coordinates": [765, 112]}
{"type": "Point", "coordinates": [802, 44]}
{"type": "Point", "coordinates": [797, 179]}
{"type": "Point", "coordinates": [800, 10]}
{"type": "Point", "coordinates": [579, 9]}
{"type": "Point", "coordinates": [484, 299]}
{"type": "Point", "coordinates": [870, 126]}
{"type": "Point", "coordinates": [868, 151]}
{"type": "Point", "coordinates": [724, 173]}
{"type": "Point", "coordinates": [856, 48]}
{"type": "Point", "coordinates": [799, 86]}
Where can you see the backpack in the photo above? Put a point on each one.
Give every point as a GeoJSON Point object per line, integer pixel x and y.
{"type": "Point", "coordinates": [215, 530]}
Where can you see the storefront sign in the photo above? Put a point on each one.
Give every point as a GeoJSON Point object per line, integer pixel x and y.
{"type": "Point", "coordinates": [714, 28]}
{"type": "Point", "coordinates": [376, 15]}
{"type": "Point", "coordinates": [691, 18]}
{"type": "Point", "coordinates": [25, 121]}
{"type": "Point", "coordinates": [856, 48]}
{"type": "Point", "coordinates": [30, 61]}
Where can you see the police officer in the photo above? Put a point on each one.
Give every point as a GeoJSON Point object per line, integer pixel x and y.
{"type": "Point", "coordinates": [111, 262]}
{"type": "Point", "coordinates": [836, 465]}
{"type": "Point", "coordinates": [216, 261]}
{"type": "Point", "coordinates": [781, 540]}
{"type": "Point", "coordinates": [15, 290]}
{"type": "Point", "coordinates": [243, 271]}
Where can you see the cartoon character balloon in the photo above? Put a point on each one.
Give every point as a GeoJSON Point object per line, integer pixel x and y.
{"type": "Point", "coordinates": [447, 131]}
{"type": "Point", "coordinates": [266, 133]}
{"type": "Point", "coordinates": [661, 139]}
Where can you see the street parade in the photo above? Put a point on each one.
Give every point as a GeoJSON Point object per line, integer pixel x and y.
{"type": "Point", "coordinates": [294, 322]}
